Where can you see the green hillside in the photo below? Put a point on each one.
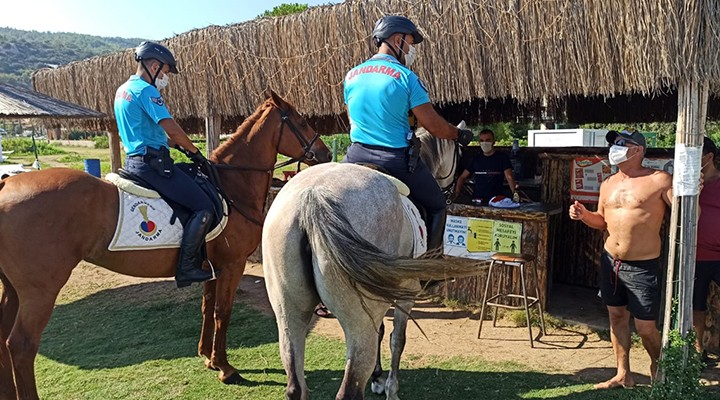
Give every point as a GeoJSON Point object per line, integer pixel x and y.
{"type": "Point", "coordinates": [22, 52]}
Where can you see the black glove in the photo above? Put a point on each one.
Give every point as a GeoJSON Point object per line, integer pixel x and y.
{"type": "Point", "coordinates": [198, 158]}
{"type": "Point", "coordinates": [465, 136]}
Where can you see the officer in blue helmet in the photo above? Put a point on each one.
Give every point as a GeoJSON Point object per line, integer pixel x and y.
{"type": "Point", "coordinates": [147, 130]}
{"type": "Point", "coordinates": [379, 94]}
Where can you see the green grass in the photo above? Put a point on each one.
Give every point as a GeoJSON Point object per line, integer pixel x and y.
{"type": "Point", "coordinates": [139, 342]}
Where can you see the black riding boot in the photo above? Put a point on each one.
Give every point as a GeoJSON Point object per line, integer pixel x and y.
{"type": "Point", "coordinates": [189, 267]}
{"type": "Point", "coordinates": [436, 229]}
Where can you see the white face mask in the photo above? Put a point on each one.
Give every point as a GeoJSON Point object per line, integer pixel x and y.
{"type": "Point", "coordinates": [486, 146]}
{"type": "Point", "coordinates": [161, 83]}
{"type": "Point", "coordinates": [410, 56]}
{"type": "Point", "coordinates": [617, 154]}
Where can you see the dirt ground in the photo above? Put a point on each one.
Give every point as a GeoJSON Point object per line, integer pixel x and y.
{"type": "Point", "coordinates": [574, 350]}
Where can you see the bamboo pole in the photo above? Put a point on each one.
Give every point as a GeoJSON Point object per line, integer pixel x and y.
{"type": "Point", "coordinates": [692, 112]}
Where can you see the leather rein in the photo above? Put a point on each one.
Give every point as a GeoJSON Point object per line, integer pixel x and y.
{"type": "Point", "coordinates": [307, 155]}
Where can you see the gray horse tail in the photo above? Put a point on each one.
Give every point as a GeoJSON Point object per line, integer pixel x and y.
{"type": "Point", "coordinates": [360, 263]}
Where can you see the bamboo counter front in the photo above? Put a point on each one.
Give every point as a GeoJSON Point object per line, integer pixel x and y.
{"type": "Point", "coordinates": [528, 229]}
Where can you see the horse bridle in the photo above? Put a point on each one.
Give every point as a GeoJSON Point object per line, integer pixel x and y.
{"type": "Point", "coordinates": [307, 145]}
{"type": "Point", "coordinates": [308, 155]}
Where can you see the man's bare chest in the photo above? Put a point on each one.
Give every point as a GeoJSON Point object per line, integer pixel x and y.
{"type": "Point", "coordinates": [632, 193]}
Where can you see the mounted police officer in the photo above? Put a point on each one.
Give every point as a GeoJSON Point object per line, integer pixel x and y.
{"type": "Point", "coordinates": [147, 129]}
{"type": "Point", "coordinates": [379, 94]}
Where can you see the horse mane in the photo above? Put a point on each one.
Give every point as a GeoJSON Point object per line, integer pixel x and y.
{"type": "Point", "coordinates": [245, 127]}
{"type": "Point", "coordinates": [430, 150]}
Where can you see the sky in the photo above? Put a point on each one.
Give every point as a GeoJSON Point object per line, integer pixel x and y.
{"type": "Point", "coordinates": [147, 19]}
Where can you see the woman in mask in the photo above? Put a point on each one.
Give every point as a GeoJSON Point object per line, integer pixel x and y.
{"type": "Point", "coordinates": [379, 94]}
{"type": "Point", "coordinates": [146, 129]}
{"type": "Point", "coordinates": [488, 169]}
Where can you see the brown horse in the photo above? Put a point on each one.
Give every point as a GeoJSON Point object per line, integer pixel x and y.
{"type": "Point", "coordinates": [73, 216]}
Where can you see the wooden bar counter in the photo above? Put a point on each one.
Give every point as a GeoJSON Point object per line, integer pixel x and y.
{"type": "Point", "coordinates": [538, 224]}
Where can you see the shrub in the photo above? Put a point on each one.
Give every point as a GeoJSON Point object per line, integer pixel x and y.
{"type": "Point", "coordinates": [681, 366]}
{"type": "Point", "coordinates": [101, 142]}
{"type": "Point", "coordinates": [25, 146]}
{"type": "Point", "coordinates": [71, 158]}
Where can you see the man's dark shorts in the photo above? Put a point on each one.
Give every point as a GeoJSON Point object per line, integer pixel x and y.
{"type": "Point", "coordinates": [705, 271]}
{"type": "Point", "coordinates": [633, 284]}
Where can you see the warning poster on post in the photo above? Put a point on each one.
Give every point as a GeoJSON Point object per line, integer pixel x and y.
{"type": "Point", "coordinates": [479, 238]}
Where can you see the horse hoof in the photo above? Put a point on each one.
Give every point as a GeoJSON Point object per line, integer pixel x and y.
{"type": "Point", "coordinates": [378, 387]}
{"type": "Point", "coordinates": [209, 365]}
{"type": "Point", "coordinates": [233, 379]}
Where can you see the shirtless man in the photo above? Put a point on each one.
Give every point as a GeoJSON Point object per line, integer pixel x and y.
{"type": "Point", "coordinates": [631, 208]}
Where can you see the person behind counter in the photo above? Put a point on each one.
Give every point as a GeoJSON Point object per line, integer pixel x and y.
{"type": "Point", "coordinates": [488, 169]}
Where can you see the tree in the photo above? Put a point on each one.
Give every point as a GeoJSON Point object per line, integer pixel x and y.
{"type": "Point", "coordinates": [284, 9]}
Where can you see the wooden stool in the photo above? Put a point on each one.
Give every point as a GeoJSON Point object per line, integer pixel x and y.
{"type": "Point", "coordinates": [504, 261]}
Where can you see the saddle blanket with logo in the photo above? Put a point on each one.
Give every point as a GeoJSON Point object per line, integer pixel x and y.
{"type": "Point", "coordinates": [418, 227]}
{"type": "Point", "coordinates": [144, 223]}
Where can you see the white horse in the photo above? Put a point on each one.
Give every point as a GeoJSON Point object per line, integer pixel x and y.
{"type": "Point", "coordinates": [338, 233]}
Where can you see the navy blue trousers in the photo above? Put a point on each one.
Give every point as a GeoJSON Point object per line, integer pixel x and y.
{"type": "Point", "coordinates": [179, 187]}
{"type": "Point", "coordinates": [424, 189]}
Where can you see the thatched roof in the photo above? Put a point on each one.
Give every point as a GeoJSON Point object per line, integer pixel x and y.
{"type": "Point", "coordinates": [524, 49]}
{"type": "Point", "coordinates": [16, 102]}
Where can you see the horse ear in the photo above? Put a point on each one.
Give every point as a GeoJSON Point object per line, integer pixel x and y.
{"type": "Point", "coordinates": [270, 94]}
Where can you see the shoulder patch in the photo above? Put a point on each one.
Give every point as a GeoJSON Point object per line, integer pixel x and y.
{"type": "Point", "coordinates": [157, 100]}
{"type": "Point", "coordinates": [422, 84]}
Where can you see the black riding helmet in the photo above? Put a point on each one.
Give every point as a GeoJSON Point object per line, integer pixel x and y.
{"type": "Point", "coordinates": [391, 24]}
{"type": "Point", "coordinates": [156, 51]}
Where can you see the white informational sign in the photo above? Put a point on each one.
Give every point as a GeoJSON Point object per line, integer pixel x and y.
{"type": "Point", "coordinates": [456, 229]}
{"type": "Point", "coordinates": [686, 179]}
{"type": "Point", "coordinates": [479, 238]}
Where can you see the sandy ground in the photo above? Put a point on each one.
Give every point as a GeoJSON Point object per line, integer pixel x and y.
{"type": "Point", "coordinates": [574, 350]}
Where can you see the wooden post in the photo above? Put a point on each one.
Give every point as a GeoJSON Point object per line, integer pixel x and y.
{"type": "Point", "coordinates": [213, 127]}
{"type": "Point", "coordinates": [692, 112]}
{"type": "Point", "coordinates": [114, 140]}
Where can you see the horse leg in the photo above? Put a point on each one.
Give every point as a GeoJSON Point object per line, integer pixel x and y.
{"type": "Point", "coordinates": [8, 312]}
{"type": "Point", "coordinates": [293, 325]}
{"type": "Point", "coordinates": [34, 310]}
{"type": "Point", "coordinates": [397, 346]}
{"type": "Point", "coordinates": [227, 284]}
{"type": "Point", "coordinates": [208, 323]}
{"type": "Point", "coordinates": [361, 337]}
{"type": "Point", "coordinates": [378, 383]}
{"type": "Point", "coordinates": [293, 295]}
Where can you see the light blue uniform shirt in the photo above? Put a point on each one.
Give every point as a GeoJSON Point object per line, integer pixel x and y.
{"type": "Point", "coordinates": [379, 93]}
{"type": "Point", "coordinates": [139, 108]}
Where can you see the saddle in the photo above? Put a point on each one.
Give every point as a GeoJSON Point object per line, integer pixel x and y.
{"type": "Point", "coordinates": [142, 188]}
{"type": "Point", "coordinates": [147, 220]}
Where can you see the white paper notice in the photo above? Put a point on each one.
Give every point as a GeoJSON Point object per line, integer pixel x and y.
{"type": "Point", "coordinates": [686, 177]}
